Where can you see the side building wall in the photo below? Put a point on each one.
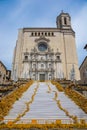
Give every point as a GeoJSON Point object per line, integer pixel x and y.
{"type": "Point", "coordinates": [83, 71]}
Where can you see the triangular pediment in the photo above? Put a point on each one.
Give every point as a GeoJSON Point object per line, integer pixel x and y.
{"type": "Point", "coordinates": [42, 38]}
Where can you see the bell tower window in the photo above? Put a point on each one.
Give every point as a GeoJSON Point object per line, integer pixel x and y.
{"type": "Point", "coordinates": [60, 23]}
{"type": "Point", "coordinates": [65, 20]}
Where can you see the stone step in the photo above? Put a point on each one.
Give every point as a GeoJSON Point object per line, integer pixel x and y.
{"type": "Point", "coordinates": [44, 106]}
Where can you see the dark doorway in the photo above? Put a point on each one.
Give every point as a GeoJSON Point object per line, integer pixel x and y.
{"type": "Point", "coordinates": [42, 77]}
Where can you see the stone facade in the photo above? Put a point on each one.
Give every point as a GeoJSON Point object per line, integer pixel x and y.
{"type": "Point", "coordinates": [83, 71]}
{"type": "Point", "coordinates": [5, 74]}
{"type": "Point", "coordinates": [46, 53]}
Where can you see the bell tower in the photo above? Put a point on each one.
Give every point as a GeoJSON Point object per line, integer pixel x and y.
{"type": "Point", "coordinates": [63, 21]}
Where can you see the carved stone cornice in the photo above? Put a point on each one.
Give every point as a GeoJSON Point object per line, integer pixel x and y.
{"type": "Point", "coordinates": [26, 53]}
{"type": "Point", "coordinates": [42, 38]}
{"type": "Point", "coordinates": [57, 53]}
{"type": "Point", "coordinates": [42, 70]}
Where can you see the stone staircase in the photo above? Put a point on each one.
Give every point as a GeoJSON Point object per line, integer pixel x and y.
{"type": "Point", "coordinates": [43, 107]}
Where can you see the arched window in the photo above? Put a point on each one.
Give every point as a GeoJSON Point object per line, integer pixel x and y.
{"type": "Point", "coordinates": [50, 76]}
{"type": "Point", "coordinates": [60, 22]}
{"type": "Point", "coordinates": [58, 57]}
{"type": "Point", "coordinates": [49, 65]}
{"type": "Point", "coordinates": [42, 65]}
{"type": "Point", "coordinates": [65, 20]}
{"type": "Point", "coordinates": [26, 57]}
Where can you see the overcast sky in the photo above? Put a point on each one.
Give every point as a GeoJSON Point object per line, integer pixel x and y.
{"type": "Point", "coordinates": [15, 14]}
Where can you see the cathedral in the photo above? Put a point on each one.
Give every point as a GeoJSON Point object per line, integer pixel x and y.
{"type": "Point", "coordinates": [46, 53]}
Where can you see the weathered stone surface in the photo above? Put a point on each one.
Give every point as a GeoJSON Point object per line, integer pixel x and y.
{"type": "Point", "coordinates": [50, 52]}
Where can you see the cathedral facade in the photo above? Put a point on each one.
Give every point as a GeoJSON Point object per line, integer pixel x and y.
{"type": "Point", "coordinates": [46, 53]}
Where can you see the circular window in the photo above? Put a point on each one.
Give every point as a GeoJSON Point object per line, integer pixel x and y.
{"type": "Point", "coordinates": [42, 46]}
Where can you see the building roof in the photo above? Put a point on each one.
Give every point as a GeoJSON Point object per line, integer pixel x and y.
{"type": "Point", "coordinates": [83, 62]}
{"type": "Point", "coordinates": [85, 47]}
{"type": "Point", "coordinates": [41, 29]}
{"type": "Point", "coordinates": [62, 13]}
{"type": "Point", "coordinates": [3, 65]}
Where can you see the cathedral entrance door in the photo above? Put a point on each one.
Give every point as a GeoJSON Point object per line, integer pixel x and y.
{"type": "Point", "coordinates": [42, 77]}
